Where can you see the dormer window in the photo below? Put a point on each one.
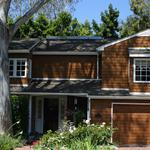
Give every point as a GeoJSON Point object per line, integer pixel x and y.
{"type": "Point", "coordinates": [142, 70]}
{"type": "Point", "coordinates": [17, 67]}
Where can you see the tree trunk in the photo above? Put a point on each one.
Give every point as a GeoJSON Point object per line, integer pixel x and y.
{"type": "Point", "coordinates": [5, 106]}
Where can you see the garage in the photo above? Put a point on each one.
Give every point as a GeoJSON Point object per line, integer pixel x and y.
{"type": "Point", "coordinates": [132, 123]}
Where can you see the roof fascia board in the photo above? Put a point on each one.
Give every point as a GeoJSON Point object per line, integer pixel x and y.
{"type": "Point", "coordinates": [74, 38]}
{"type": "Point", "coordinates": [18, 51]}
{"type": "Point", "coordinates": [139, 55]}
{"type": "Point", "coordinates": [64, 53]}
{"type": "Point", "coordinates": [47, 93]}
{"type": "Point", "coordinates": [132, 97]}
{"type": "Point", "coordinates": [140, 34]}
{"type": "Point", "coordinates": [139, 48]}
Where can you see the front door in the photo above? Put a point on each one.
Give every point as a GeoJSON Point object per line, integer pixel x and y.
{"type": "Point", "coordinates": [51, 109]}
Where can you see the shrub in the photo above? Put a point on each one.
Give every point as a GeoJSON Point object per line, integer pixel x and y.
{"type": "Point", "coordinates": [89, 137]}
{"type": "Point", "coordinates": [19, 113]}
{"type": "Point", "coordinates": [9, 143]}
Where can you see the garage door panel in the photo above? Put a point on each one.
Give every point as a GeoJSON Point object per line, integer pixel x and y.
{"type": "Point", "coordinates": [132, 123]}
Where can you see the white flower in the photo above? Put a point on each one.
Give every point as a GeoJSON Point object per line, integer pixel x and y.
{"type": "Point", "coordinates": [103, 123]}
{"type": "Point", "coordinates": [86, 121]}
{"type": "Point", "coordinates": [70, 130]}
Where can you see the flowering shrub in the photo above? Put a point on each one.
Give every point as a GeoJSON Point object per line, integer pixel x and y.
{"type": "Point", "coordinates": [85, 136]}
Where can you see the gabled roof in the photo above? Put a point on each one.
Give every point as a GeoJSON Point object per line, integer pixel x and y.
{"type": "Point", "coordinates": [24, 45]}
{"type": "Point", "coordinates": [140, 34]}
{"type": "Point", "coordinates": [69, 44]}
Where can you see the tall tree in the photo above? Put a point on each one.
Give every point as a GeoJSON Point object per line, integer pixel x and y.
{"type": "Point", "coordinates": [61, 25]}
{"type": "Point", "coordinates": [140, 20]}
{"type": "Point", "coordinates": [6, 34]}
{"type": "Point", "coordinates": [86, 29]}
{"type": "Point", "coordinates": [109, 27]}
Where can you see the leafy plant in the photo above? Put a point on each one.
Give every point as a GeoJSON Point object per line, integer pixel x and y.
{"type": "Point", "coordinates": [85, 136]}
{"type": "Point", "coordinates": [19, 114]}
{"type": "Point", "coordinates": [7, 142]}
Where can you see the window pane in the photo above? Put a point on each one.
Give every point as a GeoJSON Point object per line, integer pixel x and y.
{"type": "Point", "coordinates": [137, 78]}
{"type": "Point", "coordinates": [137, 72]}
{"type": "Point", "coordinates": [143, 78]}
{"type": "Point", "coordinates": [18, 73]}
{"type": "Point", "coordinates": [11, 73]}
{"type": "Point", "coordinates": [148, 78]}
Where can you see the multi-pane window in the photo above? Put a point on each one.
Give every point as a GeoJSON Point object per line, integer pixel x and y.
{"type": "Point", "coordinates": [142, 70]}
{"type": "Point", "coordinates": [17, 67]}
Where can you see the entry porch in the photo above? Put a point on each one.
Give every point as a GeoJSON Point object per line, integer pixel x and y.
{"type": "Point", "coordinates": [49, 112]}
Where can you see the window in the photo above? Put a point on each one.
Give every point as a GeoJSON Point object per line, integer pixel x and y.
{"type": "Point", "coordinates": [142, 70]}
{"type": "Point", "coordinates": [17, 67]}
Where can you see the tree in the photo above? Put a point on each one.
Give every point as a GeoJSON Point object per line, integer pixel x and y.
{"type": "Point", "coordinates": [129, 27]}
{"type": "Point", "coordinates": [86, 29]}
{"type": "Point", "coordinates": [140, 7]}
{"type": "Point", "coordinates": [61, 25]}
{"type": "Point", "coordinates": [75, 27]}
{"type": "Point", "coordinates": [109, 27]}
{"type": "Point", "coordinates": [40, 26]}
{"type": "Point", "coordinates": [139, 21]}
{"type": "Point", "coordinates": [6, 34]}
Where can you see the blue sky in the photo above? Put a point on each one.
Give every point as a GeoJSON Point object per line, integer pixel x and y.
{"type": "Point", "coordinates": [91, 9]}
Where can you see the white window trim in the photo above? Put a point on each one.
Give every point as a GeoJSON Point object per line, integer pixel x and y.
{"type": "Point", "coordinates": [15, 66]}
{"type": "Point", "coordinates": [134, 78]}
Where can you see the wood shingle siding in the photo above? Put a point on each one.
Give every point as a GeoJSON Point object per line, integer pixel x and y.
{"type": "Point", "coordinates": [100, 111]}
{"type": "Point", "coordinates": [54, 66]}
{"type": "Point", "coordinates": [132, 123]}
{"type": "Point", "coordinates": [115, 64]}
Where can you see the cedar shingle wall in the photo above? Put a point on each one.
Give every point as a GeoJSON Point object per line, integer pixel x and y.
{"type": "Point", "coordinates": [115, 63]}
{"type": "Point", "coordinates": [64, 66]}
{"type": "Point", "coordinates": [100, 111]}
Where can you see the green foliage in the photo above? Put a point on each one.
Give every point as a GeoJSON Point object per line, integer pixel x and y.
{"type": "Point", "coordinates": [96, 28]}
{"type": "Point", "coordinates": [129, 27]}
{"type": "Point", "coordinates": [75, 27]}
{"type": "Point", "coordinates": [19, 114]}
{"type": "Point", "coordinates": [8, 143]}
{"type": "Point", "coordinates": [25, 30]}
{"type": "Point", "coordinates": [140, 7]}
{"type": "Point", "coordinates": [86, 29]}
{"type": "Point", "coordinates": [86, 136]}
{"type": "Point", "coordinates": [139, 21]}
{"type": "Point", "coordinates": [61, 25]}
{"type": "Point", "coordinates": [109, 27]}
{"type": "Point", "coordinates": [41, 26]}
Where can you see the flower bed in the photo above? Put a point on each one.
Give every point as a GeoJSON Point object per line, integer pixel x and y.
{"type": "Point", "coordinates": [84, 137]}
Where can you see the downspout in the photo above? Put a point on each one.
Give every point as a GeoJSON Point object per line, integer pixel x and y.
{"type": "Point", "coordinates": [97, 65]}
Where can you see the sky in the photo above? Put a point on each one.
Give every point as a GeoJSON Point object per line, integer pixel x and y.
{"type": "Point", "coordinates": [91, 9]}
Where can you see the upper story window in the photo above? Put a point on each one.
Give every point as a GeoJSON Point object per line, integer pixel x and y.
{"type": "Point", "coordinates": [17, 67]}
{"type": "Point", "coordinates": [142, 70]}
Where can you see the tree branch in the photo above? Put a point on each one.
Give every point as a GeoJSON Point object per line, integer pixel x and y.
{"type": "Point", "coordinates": [26, 16]}
{"type": "Point", "coordinates": [4, 8]}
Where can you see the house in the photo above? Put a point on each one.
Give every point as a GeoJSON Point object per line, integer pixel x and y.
{"type": "Point", "coordinates": [101, 82]}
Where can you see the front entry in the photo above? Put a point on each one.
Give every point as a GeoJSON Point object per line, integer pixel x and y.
{"type": "Point", "coordinates": [51, 109]}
